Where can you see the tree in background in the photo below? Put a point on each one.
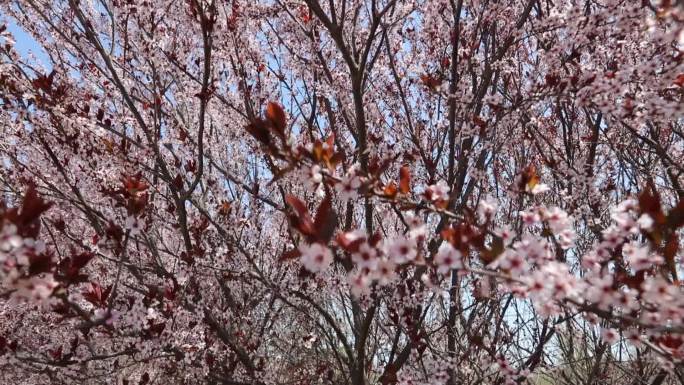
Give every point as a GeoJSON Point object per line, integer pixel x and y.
{"type": "Point", "coordinates": [342, 192]}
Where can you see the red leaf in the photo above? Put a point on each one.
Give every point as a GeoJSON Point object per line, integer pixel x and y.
{"type": "Point", "coordinates": [669, 252]}
{"type": "Point", "coordinates": [96, 295]}
{"type": "Point", "coordinates": [133, 184]}
{"type": "Point", "coordinates": [670, 341]}
{"type": "Point", "coordinates": [679, 80]}
{"type": "Point", "coordinates": [259, 130]}
{"type": "Point", "coordinates": [404, 179]}
{"type": "Point", "coordinates": [144, 379]}
{"type": "Point", "coordinates": [649, 203]}
{"type": "Point", "coordinates": [70, 268]}
{"type": "Point", "coordinates": [430, 81]}
{"type": "Point", "coordinates": [40, 263]}
{"type": "Point", "coordinates": [304, 14]}
{"type": "Point", "coordinates": [325, 221]}
{"type": "Point", "coordinates": [28, 219]}
{"type": "Point", "coordinates": [292, 254]}
{"type": "Point", "coordinates": [79, 261]}
{"type": "Point", "coordinates": [390, 190]}
{"type": "Point", "coordinates": [276, 114]}
{"type": "Point", "coordinates": [302, 220]}
{"type": "Point", "coordinates": [169, 293]}
{"type": "Point", "coordinates": [187, 258]}
{"type": "Point", "coordinates": [297, 204]}
{"type": "Point", "coordinates": [675, 218]}
{"type": "Point", "coordinates": [350, 245]}
{"type": "Point", "coordinates": [375, 239]}
{"type": "Point", "coordinates": [43, 82]}
{"type": "Point", "coordinates": [528, 178]}
{"type": "Point", "coordinates": [56, 354]}
{"type": "Point", "coordinates": [177, 183]}
{"type": "Point", "coordinates": [330, 141]}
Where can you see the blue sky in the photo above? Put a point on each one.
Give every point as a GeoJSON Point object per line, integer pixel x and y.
{"type": "Point", "coordinates": [25, 44]}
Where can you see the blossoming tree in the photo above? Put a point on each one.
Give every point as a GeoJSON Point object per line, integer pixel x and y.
{"type": "Point", "coordinates": [342, 192]}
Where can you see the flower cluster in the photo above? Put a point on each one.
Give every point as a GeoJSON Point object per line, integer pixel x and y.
{"type": "Point", "coordinates": [25, 263]}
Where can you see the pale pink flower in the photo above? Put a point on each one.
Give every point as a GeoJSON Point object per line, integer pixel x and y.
{"type": "Point", "coordinates": [348, 187]}
{"type": "Point", "coordinates": [437, 192]}
{"type": "Point", "coordinates": [366, 257]}
{"type": "Point", "coordinates": [645, 222]}
{"type": "Point", "coordinates": [511, 261]}
{"type": "Point", "coordinates": [609, 335]}
{"type": "Point", "coordinates": [448, 258]}
{"type": "Point", "coordinates": [9, 239]}
{"type": "Point", "coordinates": [359, 283]}
{"type": "Point", "coordinates": [561, 282]}
{"type": "Point", "coordinates": [418, 233]}
{"type": "Point", "coordinates": [624, 222]}
{"type": "Point", "coordinates": [36, 289]}
{"type": "Point", "coordinates": [486, 208]}
{"type": "Point", "coordinates": [658, 290]}
{"type": "Point", "coordinates": [309, 340]}
{"type": "Point", "coordinates": [600, 289]}
{"type": "Point", "coordinates": [530, 218]}
{"type": "Point", "coordinates": [312, 177]}
{"type": "Point", "coordinates": [626, 300]}
{"type": "Point", "coordinates": [506, 234]}
{"type": "Point", "coordinates": [402, 250]}
{"type": "Point", "coordinates": [626, 206]}
{"type": "Point", "coordinates": [634, 337]}
{"type": "Point", "coordinates": [385, 272]}
{"type": "Point", "coordinates": [566, 238]}
{"type": "Point", "coordinates": [532, 248]}
{"type": "Point", "coordinates": [315, 257]}
{"type": "Point", "coordinates": [413, 221]}
{"type": "Point", "coordinates": [109, 317]}
{"type": "Point", "coordinates": [557, 219]}
{"type": "Point", "coordinates": [640, 257]}
{"type": "Point", "coordinates": [351, 237]}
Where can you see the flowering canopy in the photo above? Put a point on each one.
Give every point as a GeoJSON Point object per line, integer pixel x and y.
{"type": "Point", "coordinates": [343, 192]}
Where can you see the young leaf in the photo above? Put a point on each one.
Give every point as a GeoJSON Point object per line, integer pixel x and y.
{"type": "Point", "coordinates": [276, 114]}
{"type": "Point", "coordinates": [259, 130]}
{"type": "Point", "coordinates": [325, 221]}
{"type": "Point", "coordinates": [301, 219]}
{"type": "Point", "coordinates": [390, 190]}
{"type": "Point", "coordinates": [404, 179]}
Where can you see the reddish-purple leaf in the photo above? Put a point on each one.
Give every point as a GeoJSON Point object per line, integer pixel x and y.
{"type": "Point", "coordinates": [276, 114]}
{"type": "Point", "coordinates": [404, 179]}
{"type": "Point", "coordinates": [325, 221]}
{"type": "Point", "coordinates": [259, 130]}
{"type": "Point", "coordinates": [292, 254]}
{"type": "Point", "coordinates": [301, 220]}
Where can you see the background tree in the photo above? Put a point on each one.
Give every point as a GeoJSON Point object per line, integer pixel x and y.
{"type": "Point", "coordinates": [344, 191]}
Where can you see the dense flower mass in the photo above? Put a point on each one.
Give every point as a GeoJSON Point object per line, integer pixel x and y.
{"type": "Point", "coordinates": [341, 192]}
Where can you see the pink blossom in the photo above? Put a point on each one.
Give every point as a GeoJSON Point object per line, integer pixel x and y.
{"type": "Point", "coordinates": [639, 257]}
{"type": "Point", "coordinates": [486, 208]}
{"type": "Point", "coordinates": [315, 257]}
{"type": "Point", "coordinates": [385, 272]}
{"type": "Point", "coordinates": [366, 257]}
{"type": "Point", "coordinates": [359, 283]}
{"type": "Point", "coordinates": [402, 250]}
{"type": "Point", "coordinates": [609, 336]}
{"type": "Point", "coordinates": [448, 258]}
{"type": "Point", "coordinates": [437, 192]}
{"type": "Point", "coordinates": [348, 187]}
